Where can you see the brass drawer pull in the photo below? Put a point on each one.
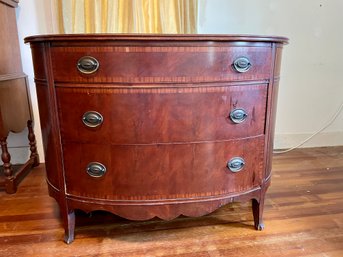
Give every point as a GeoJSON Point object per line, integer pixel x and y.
{"type": "Point", "coordinates": [242, 64]}
{"type": "Point", "coordinates": [96, 169]}
{"type": "Point", "coordinates": [238, 115]}
{"type": "Point", "coordinates": [92, 119]}
{"type": "Point", "coordinates": [87, 65]}
{"type": "Point", "coordinates": [236, 164]}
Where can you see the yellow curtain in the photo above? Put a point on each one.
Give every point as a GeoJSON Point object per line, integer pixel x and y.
{"type": "Point", "coordinates": [127, 16]}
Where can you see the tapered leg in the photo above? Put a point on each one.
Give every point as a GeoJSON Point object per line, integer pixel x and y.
{"type": "Point", "coordinates": [8, 171]}
{"type": "Point", "coordinates": [69, 226]}
{"type": "Point", "coordinates": [33, 147]}
{"type": "Point", "coordinates": [257, 209]}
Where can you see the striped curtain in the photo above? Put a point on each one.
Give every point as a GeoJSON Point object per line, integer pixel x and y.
{"type": "Point", "coordinates": [127, 16]}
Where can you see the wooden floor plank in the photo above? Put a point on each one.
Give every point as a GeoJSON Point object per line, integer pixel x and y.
{"type": "Point", "coordinates": [303, 217]}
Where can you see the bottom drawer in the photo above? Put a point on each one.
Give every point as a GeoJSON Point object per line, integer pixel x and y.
{"type": "Point", "coordinates": [167, 171]}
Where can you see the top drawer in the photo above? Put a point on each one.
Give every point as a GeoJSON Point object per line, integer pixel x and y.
{"type": "Point", "coordinates": [158, 64]}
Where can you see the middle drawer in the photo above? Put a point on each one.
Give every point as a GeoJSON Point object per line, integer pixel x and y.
{"type": "Point", "coordinates": [161, 115]}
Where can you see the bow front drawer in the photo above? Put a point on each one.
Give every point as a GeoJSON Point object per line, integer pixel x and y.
{"type": "Point", "coordinates": [157, 64]}
{"type": "Point", "coordinates": [180, 172]}
{"type": "Point", "coordinates": [160, 114]}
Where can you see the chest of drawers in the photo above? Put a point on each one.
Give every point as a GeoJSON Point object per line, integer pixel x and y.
{"type": "Point", "coordinates": [150, 126]}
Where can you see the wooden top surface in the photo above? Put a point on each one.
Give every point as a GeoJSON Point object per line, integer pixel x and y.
{"type": "Point", "coordinates": [155, 37]}
{"type": "Point", "coordinates": [11, 3]}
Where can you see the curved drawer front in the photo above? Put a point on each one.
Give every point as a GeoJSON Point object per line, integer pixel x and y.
{"type": "Point", "coordinates": [161, 115]}
{"type": "Point", "coordinates": [160, 64]}
{"type": "Point", "coordinates": [157, 172]}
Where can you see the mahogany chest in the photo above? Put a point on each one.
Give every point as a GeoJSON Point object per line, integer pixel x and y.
{"type": "Point", "coordinates": [150, 126]}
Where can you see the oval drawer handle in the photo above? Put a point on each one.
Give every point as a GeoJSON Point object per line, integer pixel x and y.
{"type": "Point", "coordinates": [96, 169]}
{"type": "Point", "coordinates": [92, 119]}
{"type": "Point", "coordinates": [238, 115]}
{"type": "Point", "coordinates": [87, 65]}
{"type": "Point", "coordinates": [236, 164]}
{"type": "Point", "coordinates": [242, 64]}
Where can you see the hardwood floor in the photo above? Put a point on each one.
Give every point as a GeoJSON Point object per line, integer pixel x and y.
{"type": "Point", "coordinates": [303, 217]}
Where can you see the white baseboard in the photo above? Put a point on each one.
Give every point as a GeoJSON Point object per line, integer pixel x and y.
{"type": "Point", "coordinates": [284, 141]}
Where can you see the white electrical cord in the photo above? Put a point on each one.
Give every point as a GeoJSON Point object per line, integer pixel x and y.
{"type": "Point", "coordinates": [334, 117]}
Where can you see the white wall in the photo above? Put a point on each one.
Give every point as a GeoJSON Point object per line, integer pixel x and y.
{"type": "Point", "coordinates": [311, 87]}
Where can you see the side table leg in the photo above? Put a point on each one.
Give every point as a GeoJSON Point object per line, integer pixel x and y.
{"type": "Point", "coordinates": [33, 147]}
{"type": "Point", "coordinates": [8, 171]}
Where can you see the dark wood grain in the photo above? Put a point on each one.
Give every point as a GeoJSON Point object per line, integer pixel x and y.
{"type": "Point", "coordinates": [303, 217]}
{"type": "Point", "coordinates": [137, 64]}
{"type": "Point", "coordinates": [64, 39]}
{"type": "Point", "coordinates": [165, 136]}
{"type": "Point", "coordinates": [160, 172]}
{"type": "Point", "coordinates": [138, 115]}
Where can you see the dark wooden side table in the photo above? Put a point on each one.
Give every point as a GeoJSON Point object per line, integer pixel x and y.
{"type": "Point", "coordinates": [15, 110]}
